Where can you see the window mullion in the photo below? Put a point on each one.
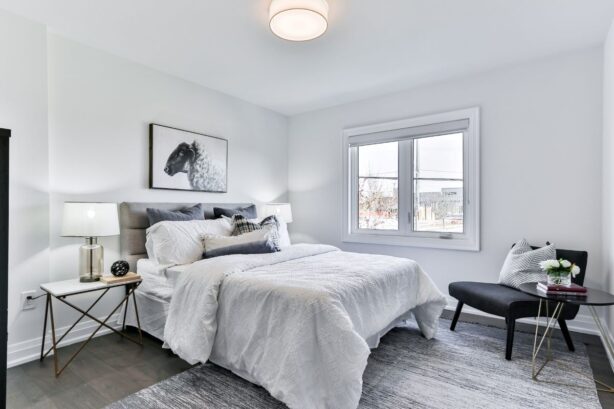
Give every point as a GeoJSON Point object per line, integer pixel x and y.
{"type": "Point", "coordinates": [354, 189]}
{"type": "Point", "coordinates": [410, 184]}
{"type": "Point", "coordinates": [404, 186]}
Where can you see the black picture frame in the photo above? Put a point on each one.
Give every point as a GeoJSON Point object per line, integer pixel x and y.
{"type": "Point", "coordinates": [189, 135]}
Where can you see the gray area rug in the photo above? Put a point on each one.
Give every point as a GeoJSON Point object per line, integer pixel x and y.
{"type": "Point", "coordinates": [462, 369]}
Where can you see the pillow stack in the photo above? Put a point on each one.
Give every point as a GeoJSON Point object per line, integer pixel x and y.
{"type": "Point", "coordinates": [184, 236]}
{"type": "Point", "coordinates": [522, 264]}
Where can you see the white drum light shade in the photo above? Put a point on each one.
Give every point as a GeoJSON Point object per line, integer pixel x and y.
{"type": "Point", "coordinates": [90, 219]}
{"type": "Point", "coordinates": [281, 210]}
{"type": "Point", "coordinates": [298, 20]}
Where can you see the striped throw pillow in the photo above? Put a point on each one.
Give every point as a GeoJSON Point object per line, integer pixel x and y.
{"type": "Point", "coordinates": [522, 264]}
{"type": "Point", "coordinates": [243, 225]}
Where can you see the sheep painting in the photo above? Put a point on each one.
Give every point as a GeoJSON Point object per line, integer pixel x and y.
{"type": "Point", "coordinates": [193, 160]}
{"type": "Point", "coordinates": [186, 160]}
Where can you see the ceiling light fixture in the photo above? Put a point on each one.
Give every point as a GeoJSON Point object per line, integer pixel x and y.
{"type": "Point", "coordinates": [298, 20]}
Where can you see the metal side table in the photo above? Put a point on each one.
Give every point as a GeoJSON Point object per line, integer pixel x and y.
{"type": "Point", "coordinates": [61, 290]}
{"type": "Point", "coordinates": [594, 298]}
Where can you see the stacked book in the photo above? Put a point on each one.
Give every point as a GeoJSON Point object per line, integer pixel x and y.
{"type": "Point", "coordinates": [111, 279]}
{"type": "Point", "coordinates": [552, 289]}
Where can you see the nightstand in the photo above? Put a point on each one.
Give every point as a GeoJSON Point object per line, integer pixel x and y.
{"type": "Point", "coordinates": [61, 290]}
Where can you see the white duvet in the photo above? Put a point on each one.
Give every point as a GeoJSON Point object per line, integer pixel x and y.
{"type": "Point", "coordinates": [300, 322]}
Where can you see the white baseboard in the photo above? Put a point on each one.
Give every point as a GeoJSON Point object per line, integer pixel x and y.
{"type": "Point", "coordinates": [21, 352]}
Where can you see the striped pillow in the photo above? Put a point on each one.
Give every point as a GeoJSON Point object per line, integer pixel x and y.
{"type": "Point", "coordinates": [522, 264]}
{"type": "Point", "coordinates": [243, 225]}
{"type": "Point", "coordinates": [255, 242]}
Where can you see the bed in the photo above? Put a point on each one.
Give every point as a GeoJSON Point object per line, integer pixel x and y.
{"type": "Point", "coordinates": [299, 322]}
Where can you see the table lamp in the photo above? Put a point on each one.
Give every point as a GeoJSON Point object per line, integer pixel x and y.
{"type": "Point", "coordinates": [90, 220]}
{"type": "Point", "coordinates": [282, 210]}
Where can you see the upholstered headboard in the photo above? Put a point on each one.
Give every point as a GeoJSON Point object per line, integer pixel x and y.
{"type": "Point", "coordinates": [133, 222]}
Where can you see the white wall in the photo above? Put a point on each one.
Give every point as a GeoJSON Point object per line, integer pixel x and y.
{"type": "Point", "coordinates": [608, 168]}
{"type": "Point", "coordinates": [540, 158]}
{"type": "Point", "coordinates": [99, 108]}
{"type": "Point", "coordinates": [23, 108]}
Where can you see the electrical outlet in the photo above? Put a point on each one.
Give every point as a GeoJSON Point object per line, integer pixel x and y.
{"type": "Point", "coordinates": [27, 304]}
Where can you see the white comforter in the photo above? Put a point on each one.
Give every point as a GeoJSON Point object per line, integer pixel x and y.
{"type": "Point", "coordinates": [299, 322]}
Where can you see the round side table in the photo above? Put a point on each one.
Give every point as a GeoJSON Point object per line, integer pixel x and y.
{"type": "Point", "coordinates": [593, 298]}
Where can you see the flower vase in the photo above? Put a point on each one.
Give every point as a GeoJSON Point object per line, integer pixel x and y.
{"type": "Point", "coordinates": [561, 278]}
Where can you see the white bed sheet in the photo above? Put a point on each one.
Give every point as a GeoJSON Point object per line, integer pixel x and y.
{"type": "Point", "coordinates": [149, 267]}
{"type": "Point", "coordinates": [299, 322]}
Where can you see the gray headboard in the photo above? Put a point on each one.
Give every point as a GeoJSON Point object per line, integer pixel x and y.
{"type": "Point", "coordinates": [133, 222]}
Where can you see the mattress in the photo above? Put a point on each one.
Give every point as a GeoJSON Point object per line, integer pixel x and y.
{"type": "Point", "coordinates": [158, 280]}
{"type": "Point", "coordinates": [148, 268]}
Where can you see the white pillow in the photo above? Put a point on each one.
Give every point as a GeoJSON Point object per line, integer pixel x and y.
{"type": "Point", "coordinates": [522, 264]}
{"type": "Point", "coordinates": [176, 243]}
{"type": "Point", "coordinates": [284, 236]}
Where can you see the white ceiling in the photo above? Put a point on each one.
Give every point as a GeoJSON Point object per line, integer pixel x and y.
{"type": "Point", "coordinates": [373, 47]}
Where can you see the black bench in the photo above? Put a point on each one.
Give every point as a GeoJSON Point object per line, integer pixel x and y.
{"type": "Point", "coordinates": [513, 304]}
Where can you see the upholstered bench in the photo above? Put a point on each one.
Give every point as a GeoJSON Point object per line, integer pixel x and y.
{"type": "Point", "coordinates": [513, 304]}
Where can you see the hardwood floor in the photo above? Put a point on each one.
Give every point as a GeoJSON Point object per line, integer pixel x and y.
{"type": "Point", "coordinates": [111, 368]}
{"type": "Point", "coordinates": [108, 369]}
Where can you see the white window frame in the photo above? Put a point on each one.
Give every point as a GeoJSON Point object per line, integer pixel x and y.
{"type": "Point", "coordinates": [465, 120]}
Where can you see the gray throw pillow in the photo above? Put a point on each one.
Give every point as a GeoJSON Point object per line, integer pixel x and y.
{"type": "Point", "coordinates": [181, 215]}
{"type": "Point", "coordinates": [522, 264]}
{"type": "Point", "coordinates": [255, 242]}
{"type": "Point", "coordinates": [249, 212]}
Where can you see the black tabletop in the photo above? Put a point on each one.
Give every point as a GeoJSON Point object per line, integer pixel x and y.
{"type": "Point", "coordinates": [593, 296]}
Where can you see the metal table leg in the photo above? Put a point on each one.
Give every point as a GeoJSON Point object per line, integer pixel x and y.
{"type": "Point", "coordinates": [86, 313]}
{"type": "Point", "coordinates": [547, 335]}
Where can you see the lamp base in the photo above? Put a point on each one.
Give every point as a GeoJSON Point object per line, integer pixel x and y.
{"type": "Point", "coordinates": [91, 261]}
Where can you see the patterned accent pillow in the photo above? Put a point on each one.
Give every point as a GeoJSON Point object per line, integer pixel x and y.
{"type": "Point", "coordinates": [242, 225]}
{"type": "Point", "coordinates": [522, 264]}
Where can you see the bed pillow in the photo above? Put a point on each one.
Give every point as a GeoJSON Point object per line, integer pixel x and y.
{"type": "Point", "coordinates": [185, 214]}
{"type": "Point", "coordinates": [180, 242]}
{"type": "Point", "coordinates": [522, 264]}
{"type": "Point", "coordinates": [248, 212]}
{"type": "Point", "coordinates": [243, 225]}
{"type": "Point", "coordinates": [255, 242]}
{"type": "Point", "coordinates": [284, 236]}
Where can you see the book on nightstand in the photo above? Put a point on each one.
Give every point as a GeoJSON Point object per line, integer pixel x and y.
{"type": "Point", "coordinates": [111, 279]}
{"type": "Point", "coordinates": [573, 289]}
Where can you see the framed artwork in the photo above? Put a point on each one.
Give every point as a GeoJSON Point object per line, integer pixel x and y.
{"type": "Point", "coordinates": [184, 160]}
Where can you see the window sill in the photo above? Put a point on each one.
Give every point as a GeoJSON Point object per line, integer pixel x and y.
{"type": "Point", "coordinates": [405, 241]}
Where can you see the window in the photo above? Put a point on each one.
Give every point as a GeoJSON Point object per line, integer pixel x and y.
{"type": "Point", "coordinates": [414, 182]}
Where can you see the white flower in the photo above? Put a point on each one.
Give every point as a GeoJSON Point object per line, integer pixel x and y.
{"type": "Point", "coordinates": [575, 270]}
{"type": "Point", "coordinates": [549, 264]}
{"type": "Point", "coordinates": [565, 264]}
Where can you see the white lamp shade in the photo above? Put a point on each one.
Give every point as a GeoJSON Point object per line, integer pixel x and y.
{"type": "Point", "coordinates": [281, 210]}
{"type": "Point", "coordinates": [90, 219]}
{"type": "Point", "coordinates": [298, 20]}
